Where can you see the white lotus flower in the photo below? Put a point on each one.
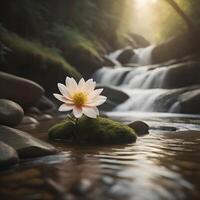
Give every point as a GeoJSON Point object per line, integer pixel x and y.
{"type": "Point", "coordinates": [82, 98]}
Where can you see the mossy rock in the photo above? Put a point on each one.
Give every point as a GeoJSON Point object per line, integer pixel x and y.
{"type": "Point", "coordinates": [32, 60]}
{"type": "Point", "coordinates": [93, 131]}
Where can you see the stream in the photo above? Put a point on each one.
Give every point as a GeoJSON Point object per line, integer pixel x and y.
{"type": "Point", "coordinates": [163, 165]}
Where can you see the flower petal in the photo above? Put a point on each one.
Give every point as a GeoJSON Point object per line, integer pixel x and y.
{"type": "Point", "coordinates": [95, 93]}
{"type": "Point", "coordinates": [89, 86]}
{"type": "Point", "coordinates": [98, 101]}
{"type": "Point", "coordinates": [97, 110]}
{"type": "Point", "coordinates": [67, 80]}
{"type": "Point", "coordinates": [62, 98]}
{"type": "Point", "coordinates": [81, 84]}
{"type": "Point", "coordinates": [91, 112]}
{"type": "Point", "coordinates": [72, 87]}
{"type": "Point", "coordinates": [77, 112]}
{"type": "Point", "coordinates": [63, 90]}
{"type": "Point", "coordinates": [65, 107]}
{"type": "Point", "coordinates": [59, 97]}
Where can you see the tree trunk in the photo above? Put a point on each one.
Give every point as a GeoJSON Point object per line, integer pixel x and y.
{"type": "Point", "coordinates": [177, 8]}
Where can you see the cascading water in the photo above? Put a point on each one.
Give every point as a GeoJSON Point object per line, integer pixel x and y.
{"type": "Point", "coordinates": [143, 56]}
{"type": "Point", "coordinates": [138, 77]}
{"type": "Point", "coordinates": [145, 84]}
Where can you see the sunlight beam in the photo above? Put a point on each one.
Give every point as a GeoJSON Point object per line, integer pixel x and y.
{"type": "Point", "coordinates": [142, 3]}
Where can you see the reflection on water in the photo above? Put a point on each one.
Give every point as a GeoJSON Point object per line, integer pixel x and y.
{"type": "Point", "coordinates": [162, 165]}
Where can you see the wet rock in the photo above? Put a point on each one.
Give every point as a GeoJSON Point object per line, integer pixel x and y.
{"type": "Point", "coordinates": [33, 111]}
{"type": "Point", "coordinates": [8, 155]}
{"type": "Point", "coordinates": [138, 41]}
{"type": "Point", "coordinates": [93, 131]}
{"type": "Point", "coordinates": [179, 46]}
{"type": "Point", "coordinates": [126, 55]}
{"type": "Point", "coordinates": [133, 65]}
{"type": "Point", "coordinates": [181, 75]}
{"type": "Point", "coordinates": [194, 57]}
{"type": "Point", "coordinates": [82, 187]}
{"type": "Point", "coordinates": [189, 102]}
{"type": "Point", "coordinates": [86, 63]}
{"type": "Point", "coordinates": [164, 128]}
{"type": "Point", "coordinates": [29, 120]}
{"type": "Point", "coordinates": [45, 105]}
{"type": "Point", "coordinates": [37, 118]}
{"type": "Point", "coordinates": [108, 105]}
{"type": "Point", "coordinates": [20, 90]}
{"type": "Point", "coordinates": [109, 62]}
{"type": "Point", "coordinates": [140, 128]}
{"type": "Point", "coordinates": [11, 113]}
{"type": "Point", "coordinates": [114, 97]}
{"type": "Point", "coordinates": [46, 117]}
{"type": "Point", "coordinates": [26, 145]}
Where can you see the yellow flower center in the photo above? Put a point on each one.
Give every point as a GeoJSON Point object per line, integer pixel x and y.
{"type": "Point", "coordinates": [79, 99]}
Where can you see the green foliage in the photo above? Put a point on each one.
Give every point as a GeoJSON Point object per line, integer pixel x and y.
{"type": "Point", "coordinates": [102, 19]}
{"type": "Point", "coordinates": [73, 39]}
{"type": "Point", "coordinates": [78, 48]}
{"type": "Point", "coordinates": [82, 31]}
{"type": "Point", "coordinates": [93, 131]}
{"type": "Point", "coordinates": [29, 58]}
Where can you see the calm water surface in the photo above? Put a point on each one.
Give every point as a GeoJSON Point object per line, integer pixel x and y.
{"type": "Point", "coordinates": [164, 165]}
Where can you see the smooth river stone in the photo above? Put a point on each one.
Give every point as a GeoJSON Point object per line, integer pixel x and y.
{"type": "Point", "coordinates": [29, 120]}
{"type": "Point", "coordinates": [126, 55]}
{"type": "Point", "coordinates": [11, 113]}
{"type": "Point", "coordinates": [140, 128]}
{"type": "Point", "coordinates": [114, 97]}
{"type": "Point", "coordinates": [23, 91]}
{"type": "Point", "coordinates": [45, 105]}
{"type": "Point", "coordinates": [8, 155]}
{"type": "Point", "coordinates": [26, 145]}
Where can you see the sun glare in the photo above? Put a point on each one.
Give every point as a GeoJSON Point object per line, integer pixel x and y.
{"type": "Point", "coordinates": [142, 3]}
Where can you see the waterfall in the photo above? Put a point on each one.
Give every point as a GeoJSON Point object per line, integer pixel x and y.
{"type": "Point", "coordinates": [141, 100]}
{"type": "Point", "coordinates": [115, 54]}
{"type": "Point", "coordinates": [138, 77]}
{"type": "Point", "coordinates": [143, 56]}
{"type": "Point", "coordinates": [146, 85]}
{"type": "Point", "coordinates": [150, 100]}
{"type": "Point", "coordinates": [109, 76]}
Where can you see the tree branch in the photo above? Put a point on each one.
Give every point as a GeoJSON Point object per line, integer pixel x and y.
{"type": "Point", "coordinates": [182, 14]}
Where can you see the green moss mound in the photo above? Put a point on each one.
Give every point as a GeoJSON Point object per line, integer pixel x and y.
{"type": "Point", "coordinates": [93, 131]}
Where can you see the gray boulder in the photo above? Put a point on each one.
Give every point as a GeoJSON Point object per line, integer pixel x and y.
{"type": "Point", "coordinates": [177, 47]}
{"type": "Point", "coordinates": [8, 155]}
{"type": "Point", "coordinates": [181, 75]}
{"type": "Point", "coordinates": [114, 97]}
{"type": "Point", "coordinates": [26, 145]}
{"type": "Point", "coordinates": [29, 120]}
{"type": "Point", "coordinates": [11, 113]}
{"type": "Point", "coordinates": [45, 105]}
{"type": "Point", "coordinates": [20, 90]}
{"type": "Point", "coordinates": [110, 62]}
{"type": "Point", "coordinates": [126, 55]}
{"type": "Point", "coordinates": [140, 128]}
{"type": "Point", "coordinates": [189, 102]}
